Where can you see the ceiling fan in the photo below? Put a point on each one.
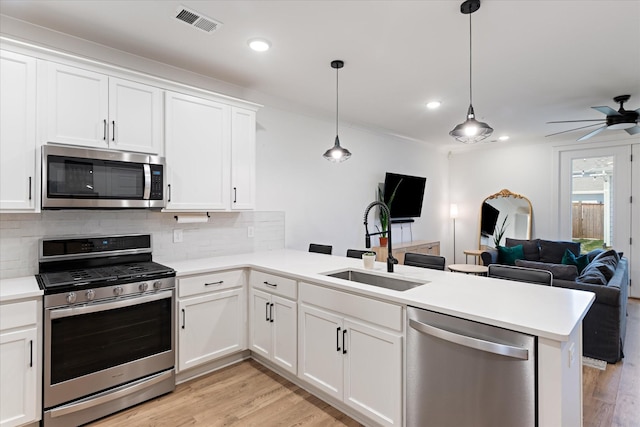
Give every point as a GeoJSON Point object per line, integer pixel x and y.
{"type": "Point", "coordinates": [615, 120]}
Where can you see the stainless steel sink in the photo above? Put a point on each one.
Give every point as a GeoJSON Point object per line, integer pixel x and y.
{"type": "Point", "coordinates": [386, 282]}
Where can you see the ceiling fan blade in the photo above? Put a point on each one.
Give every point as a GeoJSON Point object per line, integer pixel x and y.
{"type": "Point", "coordinates": [634, 130]}
{"type": "Point", "coordinates": [594, 133]}
{"type": "Point", "coordinates": [571, 130]}
{"type": "Point", "coordinates": [608, 111]}
{"type": "Point", "coordinates": [574, 121]}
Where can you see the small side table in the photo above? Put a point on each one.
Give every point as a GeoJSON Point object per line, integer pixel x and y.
{"type": "Point", "coordinates": [473, 252]}
{"type": "Point", "coordinates": [469, 269]}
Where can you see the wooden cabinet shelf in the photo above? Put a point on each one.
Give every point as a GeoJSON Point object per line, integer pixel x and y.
{"type": "Point", "coordinates": [418, 247]}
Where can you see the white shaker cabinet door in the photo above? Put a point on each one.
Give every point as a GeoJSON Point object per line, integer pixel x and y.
{"type": "Point", "coordinates": [285, 338]}
{"type": "Point", "coordinates": [77, 103]}
{"type": "Point", "coordinates": [243, 159]}
{"type": "Point", "coordinates": [17, 132]}
{"type": "Point", "coordinates": [198, 153]}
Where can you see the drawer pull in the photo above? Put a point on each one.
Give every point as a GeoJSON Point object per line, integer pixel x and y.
{"type": "Point", "coordinates": [214, 283]}
{"type": "Point", "coordinates": [273, 285]}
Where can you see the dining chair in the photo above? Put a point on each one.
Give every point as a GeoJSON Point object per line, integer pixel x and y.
{"type": "Point", "coordinates": [321, 249]}
{"type": "Point", "coordinates": [433, 262]}
{"type": "Point", "coordinates": [520, 274]}
{"type": "Point", "coordinates": [357, 253]}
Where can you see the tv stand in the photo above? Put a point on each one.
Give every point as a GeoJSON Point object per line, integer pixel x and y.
{"type": "Point", "coordinates": [418, 247]}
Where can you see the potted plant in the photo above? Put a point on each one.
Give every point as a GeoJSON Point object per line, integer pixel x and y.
{"type": "Point", "coordinates": [384, 218]}
{"type": "Point", "coordinates": [368, 259]}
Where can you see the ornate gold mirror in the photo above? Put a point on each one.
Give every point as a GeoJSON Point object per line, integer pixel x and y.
{"type": "Point", "coordinates": [504, 214]}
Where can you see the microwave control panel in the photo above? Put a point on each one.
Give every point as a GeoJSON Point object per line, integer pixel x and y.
{"type": "Point", "coordinates": [156, 182]}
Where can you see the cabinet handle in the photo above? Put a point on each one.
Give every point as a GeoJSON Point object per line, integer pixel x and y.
{"type": "Point", "coordinates": [214, 283]}
{"type": "Point", "coordinates": [31, 353]}
{"type": "Point", "coordinates": [338, 339]}
{"type": "Point", "coordinates": [183, 319]}
{"type": "Point", "coordinates": [235, 194]}
{"type": "Point", "coordinates": [271, 313]}
{"type": "Point", "coordinates": [344, 347]}
{"type": "Point", "coordinates": [266, 312]}
{"type": "Point", "coordinates": [104, 129]}
{"type": "Point", "coordinates": [29, 188]}
{"type": "Point", "coordinates": [169, 191]}
{"type": "Point", "coordinates": [113, 127]}
{"type": "Point", "coordinates": [273, 285]}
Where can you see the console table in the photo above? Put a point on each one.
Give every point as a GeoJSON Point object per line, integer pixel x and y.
{"type": "Point", "coordinates": [417, 246]}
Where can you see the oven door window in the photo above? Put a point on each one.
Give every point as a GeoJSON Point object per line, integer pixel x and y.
{"type": "Point", "coordinates": [70, 177]}
{"type": "Point", "coordinates": [89, 343]}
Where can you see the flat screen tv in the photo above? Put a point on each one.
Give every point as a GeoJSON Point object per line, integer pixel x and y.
{"type": "Point", "coordinates": [488, 219]}
{"type": "Point", "coordinates": [407, 202]}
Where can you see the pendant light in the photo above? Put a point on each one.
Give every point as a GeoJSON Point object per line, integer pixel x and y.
{"type": "Point", "coordinates": [337, 154]}
{"type": "Point", "coordinates": [471, 131]}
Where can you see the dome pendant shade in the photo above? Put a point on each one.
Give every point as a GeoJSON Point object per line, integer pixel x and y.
{"type": "Point", "coordinates": [471, 131]}
{"type": "Point", "coordinates": [337, 154]}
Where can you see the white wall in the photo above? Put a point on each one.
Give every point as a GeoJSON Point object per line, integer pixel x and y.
{"type": "Point", "coordinates": [324, 202]}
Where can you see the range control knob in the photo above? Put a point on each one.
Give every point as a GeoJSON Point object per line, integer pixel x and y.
{"type": "Point", "coordinates": [117, 290]}
{"type": "Point", "coordinates": [157, 285]}
{"type": "Point", "coordinates": [71, 297]}
{"type": "Point", "coordinates": [90, 294]}
{"type": "Point", "coordinates": [143, 286]}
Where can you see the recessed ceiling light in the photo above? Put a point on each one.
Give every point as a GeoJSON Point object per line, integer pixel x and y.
{"type": "Point", "coordinates": [433, 105]}
{"type": "Point", "coordinates": [259, 45]}
{"type": "Point", "coordinates": [503, 138]}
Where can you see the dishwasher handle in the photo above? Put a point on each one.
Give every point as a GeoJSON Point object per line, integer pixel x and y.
{"type": "Point", "coordinates": [475, 343]}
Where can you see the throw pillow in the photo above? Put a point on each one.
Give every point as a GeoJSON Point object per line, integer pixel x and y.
{"type": "Point", "coordinates": [559, 271]}
{"type": "Point", "coordinates": [531, 248]}
{"type": "Point", "coordinates": [593, 276]}
{"type": "Point", "coordinates": [553, 251]}
{"type": "Point", "coordinates": [508, 256]}
{"type": "Point", "coordinates": [570, 259]}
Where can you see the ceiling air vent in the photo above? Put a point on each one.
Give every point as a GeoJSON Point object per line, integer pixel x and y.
{"type": "Point", "coordinates": [197, 20]}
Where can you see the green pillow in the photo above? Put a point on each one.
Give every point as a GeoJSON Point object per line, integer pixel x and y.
{"type": "Point", "coordinates": [580, 262]}
{"type": "Point", "coordinates": [508, 256]}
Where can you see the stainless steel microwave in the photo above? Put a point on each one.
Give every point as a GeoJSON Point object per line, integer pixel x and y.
{"type": "Point", "coordinates": [83, 178]}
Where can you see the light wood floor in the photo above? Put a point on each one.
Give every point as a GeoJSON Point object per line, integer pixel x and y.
{"type": "Point", "coordinates": [248, 394]}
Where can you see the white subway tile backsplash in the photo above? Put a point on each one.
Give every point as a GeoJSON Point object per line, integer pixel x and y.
{"type": "Point", "coordinates": [225, 233]}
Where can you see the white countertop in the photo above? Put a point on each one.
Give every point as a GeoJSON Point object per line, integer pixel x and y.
{"type": "Point", "coordinates": [534, 309]}
{"type": "Point", "coordinates": [19, 288]}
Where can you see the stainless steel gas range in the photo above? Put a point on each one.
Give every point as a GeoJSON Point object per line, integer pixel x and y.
{"type": "Point", "coordinates": [109, 326]}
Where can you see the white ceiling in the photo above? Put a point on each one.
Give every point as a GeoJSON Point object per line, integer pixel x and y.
{"type": "Point", "coordinates": [533, 61]}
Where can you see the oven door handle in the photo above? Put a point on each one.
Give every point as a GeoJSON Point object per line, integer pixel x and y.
{"type": "Point", "coordinates": [95, 308]}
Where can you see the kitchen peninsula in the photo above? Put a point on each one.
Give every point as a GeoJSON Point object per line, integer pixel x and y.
{"type": "Point", "coordinates": [285, 278]}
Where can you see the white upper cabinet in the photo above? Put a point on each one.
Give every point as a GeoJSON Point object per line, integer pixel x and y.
{"type": "Point", "coordinates": [243, 158]}
{"type": "Point", "coordinates": [210, 152]}
{"type": "Point", "coordinates": [198, 153]}
{"type": "Point", "coordinates": [94, 110]}
{"type": "Point", "coordinates": [17, 132]}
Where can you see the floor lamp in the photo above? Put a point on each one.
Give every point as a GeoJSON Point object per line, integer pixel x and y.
{"type": "Point", "coordinates": [453, 213]}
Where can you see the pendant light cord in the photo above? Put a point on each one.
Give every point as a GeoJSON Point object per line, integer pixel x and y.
{"type": "Point", "coordinates": [470, 70]}
{"type": "Point", "coordinates": [337, 69]}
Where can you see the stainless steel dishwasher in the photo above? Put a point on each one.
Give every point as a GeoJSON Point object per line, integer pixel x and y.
{"type": "Point", "coordinates": [463, 373]}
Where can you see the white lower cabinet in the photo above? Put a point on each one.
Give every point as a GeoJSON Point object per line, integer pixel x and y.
{"type": "Point", "coordinates": [351, 348]}
{"type": "Point", "coordinates": [273, 319]}
{"type": "Point", "coordinates": [19, 360]}
{"type": "Point", "coordinates": [211, 317]}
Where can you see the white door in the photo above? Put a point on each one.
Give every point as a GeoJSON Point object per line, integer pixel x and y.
{"type": "Point", "coordinates": [243, 158]}
{"type": "Point", "coordinates": [598, 178]}
{"type": "Point", "coordinates": [373, 372]}
{"type": "Point", "coordinates": [260, 312]}
{"type": "Point", "coordinates": [197, 151]}
{"type": "Point", "coordinates": [135, 117]}
{"type": "Point", "coordinates": [634, 256]}
{"type": "Point", "coordinates": [320, 359]}
{"type": "Point", "coordinates": [18, 371]}
{"type": "Point", "coordinates": [285, 337]}
{"type": "Point", "coordinates": [76, 106]}
{"type": "Point", "coordinates": [209, 327]}
{"type": "Point", "coordinates": [17, 131]}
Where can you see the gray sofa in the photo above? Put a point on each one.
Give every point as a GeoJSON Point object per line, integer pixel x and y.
{"type": "Point", "coordinates": [606, 274]}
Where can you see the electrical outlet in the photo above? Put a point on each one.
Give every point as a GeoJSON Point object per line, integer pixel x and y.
{"type": "Point", "coordinates": [177, 236]}
{"type": "Point", "coordinates": [250, 231]}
